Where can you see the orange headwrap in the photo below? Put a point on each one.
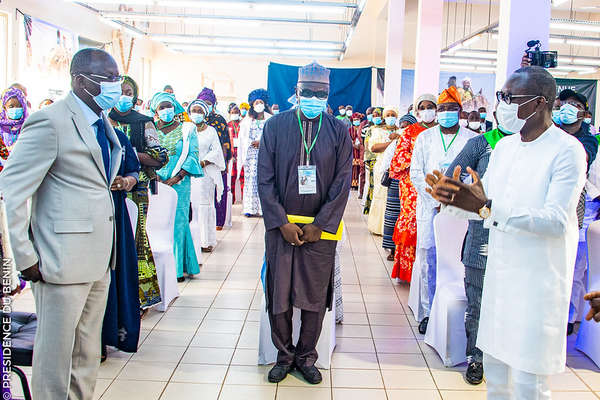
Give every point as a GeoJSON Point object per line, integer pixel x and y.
{"type": "Point", "coordinates": [450, 95]}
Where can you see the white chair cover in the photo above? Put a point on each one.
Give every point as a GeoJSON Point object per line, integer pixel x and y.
{"type": "Point", "coordinates": [132, 210]}
{"type": "Point", "coordinates": [446, 327]}
{"type": "Point", "coordinates": [589, 331]}
{"type": "Point", "coordinates": [414, 292]}
{"type": "Point", "coordinates": [267, 353]}
{"type": "Point", "coordinates": [160, 227]}
{"type": "Point", "coordinates": [204, 216]}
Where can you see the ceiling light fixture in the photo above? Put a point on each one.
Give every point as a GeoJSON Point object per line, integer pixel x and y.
{"type": "Point", "coordinates": [574, 25]}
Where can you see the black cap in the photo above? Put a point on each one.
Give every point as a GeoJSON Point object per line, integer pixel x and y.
{"type": "Point", "coordinates": [568, 93]}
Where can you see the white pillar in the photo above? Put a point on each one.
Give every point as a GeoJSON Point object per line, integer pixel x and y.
{"type": "Point", "coordinates": [393, 53]}
{"type": "Point", "coordinates": [520, 21]}
{"type": "Point", "coordinates": [429, 46]}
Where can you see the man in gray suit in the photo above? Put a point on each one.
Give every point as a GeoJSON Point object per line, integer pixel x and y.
{"type": "Point", "coordinates": [65, 160]}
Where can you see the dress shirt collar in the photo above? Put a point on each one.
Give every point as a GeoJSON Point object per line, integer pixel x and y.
{"type": "Point", "coordinates": [90, 116]}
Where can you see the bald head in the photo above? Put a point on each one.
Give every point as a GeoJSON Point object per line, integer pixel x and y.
{"type": "Point", "coordinates": [535, 81]}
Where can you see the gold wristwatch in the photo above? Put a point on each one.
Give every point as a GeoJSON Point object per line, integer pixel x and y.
{"type": "Point", "coordinates": [486, 210]}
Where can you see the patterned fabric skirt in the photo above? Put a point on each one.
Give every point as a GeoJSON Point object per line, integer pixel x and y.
{"type": "Point", "coordinates": [337, 287]}
{"type": "Point", "coordinates": [369, 171]}
{"type": "Point", "coordinates": [148, 281]}
{"type": "Point", "coordinates": [236, 176]}
{"type": "Point", "coordinates": [251, 200]}
{"type": "Point", "coordinates": [392, 211]}
{"type": "Point", "coordinates": [355, 174]}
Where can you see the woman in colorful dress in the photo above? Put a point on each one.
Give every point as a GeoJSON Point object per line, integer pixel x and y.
{"type": "Point", "coordinates": [251, 130]}
{"type": "Point", "coordinates": [212, 162]}
{"type": "Point", "coordinates": [13, 114]}
{"type": "Point", "coordinates": [405, 232]}
{"type": "Point", "coordinates": [370, 158]}
{"type": "Point", "coordinates": [358, 149]}
{"type": "Point", "coordinates": [141, 132]}
{"type": "Point", "coordinates": [380, 139]}
{"type": "Point", "coordinates": [215, 120]}
{"type": "Point", "coordinates": [234, 132]}
{"type": "Point", "coordinates": [121, 327]}
{"type": "Point", "coordinates": [181, 142]}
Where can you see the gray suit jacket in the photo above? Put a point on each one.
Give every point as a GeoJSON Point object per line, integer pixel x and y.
{"type": "Point", "coordinates": [57, 162]}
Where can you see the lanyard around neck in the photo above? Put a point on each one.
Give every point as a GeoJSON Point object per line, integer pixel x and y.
{"type": "Point", "coordinates": [444, 142]}
{"type": "Point", "coordinates": [309, 149]}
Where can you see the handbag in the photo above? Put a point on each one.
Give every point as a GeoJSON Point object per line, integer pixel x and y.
{"type": "Point", "coordinates": [385, 179]}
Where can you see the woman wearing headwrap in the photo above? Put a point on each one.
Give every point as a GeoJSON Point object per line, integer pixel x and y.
{"type": "Point", "coordinates": [405, 230]}
{"type": "Point", "coordinates": [212, 162]}
{"type": "Point", "coordinates": [392, 203]}
{"type": "Point", "coordinates": [181, 141]}
{"type": "Point", "coordinates": [12, 116]}
{"type": "Point", "coordinates": [358, 149]}
{"type": "Point", "coordinates": [142, 134]}
{"type": "Point", "coordinates": [218, 122]}
{"type": "Point", "coordinates": [234, 132]}
{"type": "Point", "coordinates": [244, 107]}
{"type": "Point", "coordinates": [370, 158]}
{"type": "Point", "coordinates": [380, 139]}
{"type": "Point", "coordinates": [251, 130]}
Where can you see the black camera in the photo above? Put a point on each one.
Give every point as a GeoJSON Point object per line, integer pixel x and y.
{"type": "Point", "coordinates": [546, 59]}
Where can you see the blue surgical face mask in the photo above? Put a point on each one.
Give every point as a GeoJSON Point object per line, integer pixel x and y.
{"type": "Point", "coordinates": [587, 120]}
{"type": "Point", "coordinates": [243, 112]}
{"type": "Point", "coordinates": [377, 120]}
{"type": "Point", "coordinates": [556, 116]}
{"type": "Point", "coordinates": [356, 122]}
{"type": "Point", "coordinates": [124, 104]}
{"type": "Point", "coordinates": [166, 114]}
{"type": "Point", "coordinates": [311, 107]}
{"type": "Point", "coordinates": [369, 117]}
{"type": "Point", "coordinates": [275, 112]}
{"type": "Point", "coordinates": [197, 118]}
{"type": "Point", "coordinates": [568, 114]}
{"type": "Point", "coordinates": [483, 115]}
{"type": "Point", "coordinates": [390, 121]}
{"type": "Point", "coordinates": [447, 119]}
{"type": "Point", "coordinates": [14, 113]}
{"type": "Point", "coordinates": [109, 95]}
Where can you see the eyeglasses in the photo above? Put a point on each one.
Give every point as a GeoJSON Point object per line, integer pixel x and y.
{"type": "Point", "coordinates": [102, 78]}
{"type": "Point", "coordinates": [319, 94]}
{"type": "Point", "coordinates": [508, 97]}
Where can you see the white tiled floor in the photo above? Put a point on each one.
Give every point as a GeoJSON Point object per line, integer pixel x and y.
{"type": "Point", "coordinates": [205, 346]}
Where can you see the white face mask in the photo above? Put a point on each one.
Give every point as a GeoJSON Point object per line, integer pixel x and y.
{"type": "Point", "coordinates": [235, 117]}
{"type": "Point", "coordinates": [343, 111]}
{"type": "Point", "coordinates": [259, 108]}
{"type": "Point", "coordinates": [463, 122]}
{"type": "Point", "coordinates": [508, 116]}
{"type": "Point", "coordinates": [587, 120]}
{"type": "Point", "coordinates": [427, 115]}
{"type": "Point", "coordinates": [475, 125]}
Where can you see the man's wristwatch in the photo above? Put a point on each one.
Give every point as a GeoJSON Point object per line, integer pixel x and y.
{"type": "Point", "coordinates": [486, 210]}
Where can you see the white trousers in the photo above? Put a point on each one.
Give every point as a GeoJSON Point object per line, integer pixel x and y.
{"type": "Point", "coordinates": [506, 383]}
{"type": "Point", "coordinates": [578, 305]}
{"type": "Point", "coordinates": [66, 356]}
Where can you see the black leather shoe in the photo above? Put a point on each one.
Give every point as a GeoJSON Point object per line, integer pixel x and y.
{"type": "Point", "coordinates": [570, 327]}
{"type": "Point", "coordinates": [423, 326]}
{"type": "Point", "coordinates": [474, 373]}
{"type": "Point", "coordinates": [279, 372]}
{"type": "Point", "coordinates": [181, 279]}
{"type": "Point", "coordinates": [311, 374]}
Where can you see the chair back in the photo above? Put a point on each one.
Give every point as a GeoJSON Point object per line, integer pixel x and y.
{"type": "Point", "coordinates": [161, 214]}
{"type": "Point", "coordinates": [449, 234]}
{"type": "Point", "coordinates": [132, 210]}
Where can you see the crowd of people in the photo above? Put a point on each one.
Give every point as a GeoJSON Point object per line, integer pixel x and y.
{"type": "Point", "coordinates": [406, 169]}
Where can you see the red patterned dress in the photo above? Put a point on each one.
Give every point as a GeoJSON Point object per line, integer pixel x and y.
{"type": "Point", "coordinates": [405, 232]}
{"type": "Point", "coordinates": [234, 130]}
{"type": "Point", "coordinates": [358, 150]}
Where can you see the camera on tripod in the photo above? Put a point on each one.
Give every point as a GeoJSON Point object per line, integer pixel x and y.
{"type": "Point", "coordinates": [546, 59]}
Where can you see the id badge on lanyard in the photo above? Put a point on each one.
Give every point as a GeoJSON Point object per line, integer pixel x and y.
{"type": "Point", "coordinates": [307, 174]}
{"type": "Point", "coordinates": [307, 179]}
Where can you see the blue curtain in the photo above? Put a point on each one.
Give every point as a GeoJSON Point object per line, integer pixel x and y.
{"type": "Point", "coordinates": [347, 86]}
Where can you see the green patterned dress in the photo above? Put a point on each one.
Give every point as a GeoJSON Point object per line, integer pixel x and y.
{"type": "Point", "coordinates": [149, 290]}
